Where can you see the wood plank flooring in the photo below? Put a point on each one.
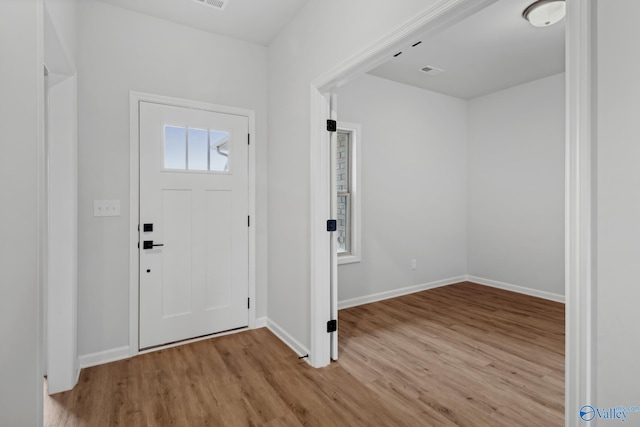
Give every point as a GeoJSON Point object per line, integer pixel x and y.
{"type": "Point", "coordinates": [464, 355]}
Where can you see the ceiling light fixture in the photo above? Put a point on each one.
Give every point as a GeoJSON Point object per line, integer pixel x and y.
{"type": "Point", "coordinates": [543, 13]}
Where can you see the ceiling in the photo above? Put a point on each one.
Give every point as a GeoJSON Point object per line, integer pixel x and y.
{"type": "Point", "coordinates": [491, 50]}
{"type": "Point", "coordinates": [255, 21]}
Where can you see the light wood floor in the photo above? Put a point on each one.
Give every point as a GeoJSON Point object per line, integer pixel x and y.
{"type": "Point", "coordinates": [464, 355]}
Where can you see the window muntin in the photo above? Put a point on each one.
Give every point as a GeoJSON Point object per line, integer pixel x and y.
{"type": "Point", "coordinates": [197, 152]}
{"type": "Point", "coordinates": [194, 149]}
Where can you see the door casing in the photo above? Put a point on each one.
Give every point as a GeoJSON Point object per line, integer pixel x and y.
{"type": "Point", "coordinates": [134, 205]}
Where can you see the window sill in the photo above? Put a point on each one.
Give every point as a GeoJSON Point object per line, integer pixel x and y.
{"type": "Point", "coordinates": [348, 259]}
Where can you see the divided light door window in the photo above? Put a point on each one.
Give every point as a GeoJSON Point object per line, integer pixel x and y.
{"type": "Point", "coordinates": [196, 149]}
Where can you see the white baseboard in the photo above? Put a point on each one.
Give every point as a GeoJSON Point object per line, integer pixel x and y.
{"type": "Point", "coordinates": [120, 353]}
{"type": "Point", "coordinates": [261, 322]}
{"type": "Point", "coordinates": [398, 292]}
{"type": "Point", "coordinates": [515, 288]}
{"type": "Point", "coordinates": [102, 357]}
{"type": "Point", "coordinates": [284, 336]}
{"type": "Point", "coordinates": [57, 385]}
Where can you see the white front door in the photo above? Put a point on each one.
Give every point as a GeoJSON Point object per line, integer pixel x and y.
{"type": "Point", "coordinates": [194, 211]}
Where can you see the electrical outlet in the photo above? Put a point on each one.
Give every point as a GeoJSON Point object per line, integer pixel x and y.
{"type": "Point", "coordinates": [106, 208]}
{"type": "Point", "coordinates": [414, 264]}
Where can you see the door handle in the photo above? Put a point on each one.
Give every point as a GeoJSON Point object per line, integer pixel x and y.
{"type": "Point", "coordinates": [148, 244]}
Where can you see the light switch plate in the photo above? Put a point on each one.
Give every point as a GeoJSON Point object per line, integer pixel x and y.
{"type": "Point", "coordinates": [106, 208]}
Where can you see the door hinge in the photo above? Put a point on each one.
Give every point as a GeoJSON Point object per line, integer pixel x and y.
{"type": "Point", "coordinates": [248, 139]}
{"type": "Point", "coordinates": [332, 325]}
{"type": "Point", "coordinates": [248, 303]}
{"type": "Point", "coordinates": [332, 225]}
{"type": "Point", "coordinates": [248, 221]}
{"type": "Point", "coordinates": [332, 125]}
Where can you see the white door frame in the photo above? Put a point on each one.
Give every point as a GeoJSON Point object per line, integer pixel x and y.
{"type": "Point", "coordinates": [60, 212]}
{"type": "Point", "coordinates": [134, 210]}
{"type": "Point", "coordinates": [579, 281]}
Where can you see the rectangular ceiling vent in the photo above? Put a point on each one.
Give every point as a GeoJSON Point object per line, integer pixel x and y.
{"type": "Point", "coordinates": [216, 4]}
{"type": "Point", "coordinates": [432, 71]}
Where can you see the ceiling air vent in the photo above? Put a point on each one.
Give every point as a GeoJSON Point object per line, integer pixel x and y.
{"type": "Point", "coordinates": [432, 71]}
{"type": "Point", "coordinates": [217, 4]}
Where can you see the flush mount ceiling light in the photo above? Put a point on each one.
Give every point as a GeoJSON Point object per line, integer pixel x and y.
{"type": "Point", "coordinates": [545, 12]}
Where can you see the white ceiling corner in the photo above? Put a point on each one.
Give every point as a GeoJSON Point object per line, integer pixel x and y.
{"type": "Point", "coordinates": [489, 51]}
{"type": "Point", "coordinates": [255, 21]}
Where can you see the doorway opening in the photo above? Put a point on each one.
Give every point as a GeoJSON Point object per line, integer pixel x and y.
{"type": "Point", "coordinates": [578, 282]}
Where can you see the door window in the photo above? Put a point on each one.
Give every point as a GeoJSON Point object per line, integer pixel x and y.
{"type": "Point", "coordinates": [196, 149]}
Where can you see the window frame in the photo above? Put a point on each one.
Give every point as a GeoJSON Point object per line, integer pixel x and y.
{"type": "Point", "coordinates": [353, 255]}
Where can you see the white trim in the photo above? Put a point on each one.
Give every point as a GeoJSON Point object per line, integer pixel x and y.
{"type": "Point", "coordinates": [333, 250]}
{"type": "Point", "coordinates": [134, 221]}
{"type": "Point", "coordinates": [320, 266]}
{"type": "Point", "coordinates": [254, 219]}
{"type": "Point", "coordinates": [381, 296]}
{"type": "Point", "coordinates": [261, 322]}
{"type": "Point", "coordinates": [516, 288]}
{"type": "Point", "coordinates": [580, 346]}
{"type": "Point", "coordinates": [134, 189]}
{"type": "Point", "coordinates": [102, 357]}
{"type": "Point", "coordinates": [348, 259]}
{"type": "Point", "coordinates": [355, 167]}
{"type": "Point", "coordinates": [124, 352]}
{"type": "Point", "coordinates": [443, 14]}
{"type": "Point", "coordinates": [290, 341]}
{"type": "Point", "coordinates": [41, 214]}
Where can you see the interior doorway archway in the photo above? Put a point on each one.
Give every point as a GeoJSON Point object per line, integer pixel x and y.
{"type": "Point", "coordinates": [579, 284]}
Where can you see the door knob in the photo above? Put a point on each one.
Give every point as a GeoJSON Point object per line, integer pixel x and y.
{"type": "Point", "coordinates": [148, 244]}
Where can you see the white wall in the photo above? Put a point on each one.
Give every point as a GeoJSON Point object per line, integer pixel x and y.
{"type": "Point", "coordinates": [21, 92]}
{"type": "Point", "coordinates": [325, 33]}
{"type": "Point", "coordinates": [62, 330]}
{"type": "Point", "coordinates": [515, 169]}
{"type": "Point", "coordinates": [60, 46]}
{"type": "Point", "coordinates": [414, 186]}
{"type": "Point", "coordinates": [618, 206]}
{"type": "Point", "coordinates": [63, 14]}
{"type": "Point", "coordinates": [122, 51]}
{"type": "Point", "coordinates": [481, 193]}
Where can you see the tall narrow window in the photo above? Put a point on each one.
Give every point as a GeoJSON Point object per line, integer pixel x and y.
{"type": "Point", "coordinates": [347, 164]}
